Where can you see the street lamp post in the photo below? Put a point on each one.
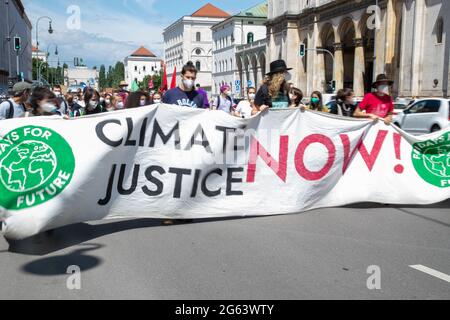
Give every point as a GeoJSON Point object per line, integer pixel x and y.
{"type": "Point", "coordinates": [50, 29]}
{"type": "Point", "coordinates": [42, 62]}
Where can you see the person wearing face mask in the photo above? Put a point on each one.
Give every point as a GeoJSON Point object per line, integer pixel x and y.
{"type": "Point", "coordinates": [245, 107]}
{"type": "Point", "coordinates": [185, 95]}
{"type": "Point", "coordinates": [15, 106]}
{"type": "Point", "coordinates": [108, 103]}
{"type": "Point", "coordinates": [223, 102]}
{"type": "Point", "coordinates": [316, 102]}
{"type": "Point", "coordinates": [118, 102]}
{"type": "Point", "coordinates": [344, 105]}
{"type": "Point", "coordinates": [75, 108]}
{"type": "Point", "coordinates": [378, 105]}
{"type": "Point", "coordinates": [274, 93]}
{"type": "Point", "coordinates": [92, 102]}
{"type": "Point", "coordinates": [296, 97]}
{"type": "Point", "coordinates": [43, 102]}
{"type": "Point", "coordinates": [156, 98]}
{"type": "Point", "coordinates": [63, 107]}
{"type": "Point", "coordinates": [137, 99]}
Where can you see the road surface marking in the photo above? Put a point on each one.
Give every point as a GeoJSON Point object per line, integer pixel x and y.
{"type": "Point", "coordinates": [432, 272]}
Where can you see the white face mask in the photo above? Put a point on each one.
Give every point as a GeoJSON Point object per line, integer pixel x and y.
{"type": "Point", "coordinates": [142, 103]}
{"type": "Point", "coordinates": [188, 84]}
{"type": "Point", "coordinates": [57, 93]}
{"type": "Point", "coordinates": [48, 107]}
{"type": "Point", "coordinates": [108, 101]}
{"type": "Point", "coordinates": [252, 96]}
{"type": "Point", "coordinates": [383, 89]}
{"type": "Point", "coordinates": [102, 99]}
{"type": "Point", "coordinates": [157, 101]}
{"type": "Point", "coordinates": [120, 105]}
{"type": "Point", "coordinates": [93, 103]}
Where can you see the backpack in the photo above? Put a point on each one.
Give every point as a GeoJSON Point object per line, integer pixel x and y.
{"type": "Point", "coordinates": [10, 113]}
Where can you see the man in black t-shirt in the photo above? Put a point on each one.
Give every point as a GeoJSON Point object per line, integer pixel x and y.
{"type": "Point", "coordinates": [185, 95]}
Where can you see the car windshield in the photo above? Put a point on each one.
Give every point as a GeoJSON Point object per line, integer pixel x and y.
{"type": "Point", "coordinates": [400, 106]}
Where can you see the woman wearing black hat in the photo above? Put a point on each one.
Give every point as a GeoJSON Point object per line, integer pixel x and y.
{"type": "Point", "coordinates": [275, 92]}
{"type": "Point", "coordinates": [377, 105]}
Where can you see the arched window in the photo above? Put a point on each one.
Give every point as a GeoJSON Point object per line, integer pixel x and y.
{"type": "Point", "coordinates": [198, 52]}
{"type": "Point", "coordinates": [198, 37]}
{"type": "Point", "coordinates": [440, 31]}
{"type": "Point", "coordinates": [250, 37]}
{"type": "Point", "coordinates": [198, 65]}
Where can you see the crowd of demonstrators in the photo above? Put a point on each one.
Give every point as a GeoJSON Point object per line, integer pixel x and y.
{"type": "Point", "coordinates": [276, 92]}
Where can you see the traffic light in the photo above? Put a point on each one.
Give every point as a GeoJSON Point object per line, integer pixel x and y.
{"type": "Point", "coordinates": [17, 43]}
{"type": "Point", "coordinates": [302, 50]}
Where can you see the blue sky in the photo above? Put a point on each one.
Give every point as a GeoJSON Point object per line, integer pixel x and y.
{"type": "Point", "coordinates": [112, 29]}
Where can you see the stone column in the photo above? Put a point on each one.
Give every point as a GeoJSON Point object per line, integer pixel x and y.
{"type": "Point", "coordinates": [416, 75]}
{"type": "Point", "coordinates": [339, 66]}
{"type": "Point", "coordinates": [391, 38]}
{"type": "Point", "coordinates": [359, 69]}
{"type": "Point", "coordinates": [292, 49]}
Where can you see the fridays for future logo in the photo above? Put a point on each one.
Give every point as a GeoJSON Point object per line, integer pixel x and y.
{"type": "Point", "coordinates": [36, 165]}
{"type": "Point", "coordinates": [431, 159]}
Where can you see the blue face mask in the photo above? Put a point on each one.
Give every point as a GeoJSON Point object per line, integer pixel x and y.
{"type": "Point", "coordinates": [315, 100]}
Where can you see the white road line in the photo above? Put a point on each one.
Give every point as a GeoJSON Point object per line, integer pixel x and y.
{"type": "Point", "coordinates": [432, 272]}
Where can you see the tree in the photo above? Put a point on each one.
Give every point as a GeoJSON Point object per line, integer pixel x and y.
{"type": "Point", "coordinates": [102, 77]}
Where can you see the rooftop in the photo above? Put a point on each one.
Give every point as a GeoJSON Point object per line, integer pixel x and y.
{"type": "Point", "coordinates": [143, 52]}
{"type": "Point", "coordinates": [258, 11]}
{"type": "Point", "coordinates": [210, 11]}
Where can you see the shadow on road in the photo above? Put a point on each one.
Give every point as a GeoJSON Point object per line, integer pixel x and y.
{"type": "Point", "coordinates": [58, 265]}
{"type": "Point", "coordinates": [369, 205]}
{"type": "Point", "coordinates": [69, 236]}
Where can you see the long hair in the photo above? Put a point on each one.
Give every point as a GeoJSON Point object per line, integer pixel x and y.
{"type": "Point", "coordinates": [39, 94]}
{"type": "Point", "coordinates": [89, 94]}
{"type": "Point", "coordinates": [133, 100]}
{"type": "Point", "coordinates": [299, 94]}
{"type": "Point", "coordinates": [276, 83]}
{"type": "Point", "coordinates": [319, 106]}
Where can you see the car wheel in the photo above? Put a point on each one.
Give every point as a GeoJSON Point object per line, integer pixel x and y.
{"type": "Point", "coordinates": [435, 128]}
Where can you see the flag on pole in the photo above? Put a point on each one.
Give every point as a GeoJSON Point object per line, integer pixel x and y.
{"type": "Point", "coordinates": [134, 86]}
{"type": "Point", "coordinates": [174, 79]}
{"type": "Point", "coordinates": [164, 85]}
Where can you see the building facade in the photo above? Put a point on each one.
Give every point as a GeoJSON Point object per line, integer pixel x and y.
{"type": "Point", "coordinates": [81, 77]}
{"type": "Point", "coordinates": [190, 39]}
{"type": "Point", "coordinates": [238, 56]}
{"type": "Point", "coordinates": [140, 64]}
{"type": "Point", "coordinates": [38, 54]}
{"type": "Point", "coordinates": [406, 39]}
{"type": "Point", "coordinates": [14, 18]}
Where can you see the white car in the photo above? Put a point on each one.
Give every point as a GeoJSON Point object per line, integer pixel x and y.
{"type": "Point", "coordinates": [425, 116]}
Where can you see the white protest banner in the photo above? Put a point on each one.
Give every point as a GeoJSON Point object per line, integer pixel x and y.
{"type": "Point", "coordinates": [172, 162]}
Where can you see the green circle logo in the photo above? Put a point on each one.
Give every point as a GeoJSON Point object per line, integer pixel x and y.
{"type": "Point", "coordinates": [36, 165]}
{"type": "Point", "coordinates": [431, 159]}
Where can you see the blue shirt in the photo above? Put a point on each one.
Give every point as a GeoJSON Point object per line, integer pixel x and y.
{"type": "Point", "coordinates": [191, 99]}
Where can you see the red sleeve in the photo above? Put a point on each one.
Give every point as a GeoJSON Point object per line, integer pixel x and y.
{"type": "Point", "coordinates": [391, 106]}
{"type": "Point", "coordinates": [365, 103]}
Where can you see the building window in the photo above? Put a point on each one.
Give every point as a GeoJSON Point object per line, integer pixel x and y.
{"type": "Point", "coordinates": [250, 37]}
{"type": "Point", "coordinates": [198, 37]}
{"type": "Point", "coordinates": [198, 52]}
{"type": "Point", "coordinates": [135, 68]}
{"type": "Point", "coordinates": [440, 31]}
{"type": "Point", "coordinates": [144, 68]}
{"type": "Point", "coordinates": [198, 65]}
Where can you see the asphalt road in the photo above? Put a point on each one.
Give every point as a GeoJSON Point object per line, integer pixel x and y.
{"type": "Point", "coordinates": [323, 254]}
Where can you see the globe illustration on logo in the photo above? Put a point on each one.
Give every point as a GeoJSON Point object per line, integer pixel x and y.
{"type": "Point", "coordinates": [438, 161]}
{"type": "Point", "coordinates": [27, 166]}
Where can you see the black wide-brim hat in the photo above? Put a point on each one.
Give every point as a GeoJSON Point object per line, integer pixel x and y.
{"type": "Point", "coordinates": [380, 79]}
{"type": "Point", "coordinates": [278, 66]}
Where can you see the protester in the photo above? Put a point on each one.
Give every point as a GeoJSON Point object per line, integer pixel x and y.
{"type": "Point", "coordinates": [92, 102]}
{"type": "Point", "coordinates": [123, 92]}
{"type": "Point", "coordinates": [344, 105]}
{"type": "Point", "coordinates": [14, 107]}
{"type": "Point", "coordinates": [74, 108]}
{"type": "Point", "coordinates": [296, 98]}
{"type": "Point", "coordinates": [316, 103]}
{"type": "Point", "coordinates": [245, 107]}
{"type": "Point", "coordinates": [63, 107]}
{"type": "Point", "coordinates": [185, 95]}
{"type": "Point", "coordinates": [108, 102]}
{"type": "Point", "coordinates": [43, 102]}
{"type": "Point", "coordinates": [118, 102]}
{"type": "Point", "coordinates": [223, 102]}
{"type": "Point", "coordinates": [137, 99]}
{"type": "Point", "coordinates": [274, 92]}
{"type": "Point", "coordinates": [202, 91]}
{"type": "Point", "coordinates": [156, 98]}
{"type": "Point", "coordinates": [378, 105]}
